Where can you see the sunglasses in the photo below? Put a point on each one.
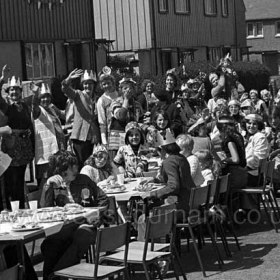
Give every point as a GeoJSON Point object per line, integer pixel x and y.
{"type": "Point", "coordinates": [100, 156]}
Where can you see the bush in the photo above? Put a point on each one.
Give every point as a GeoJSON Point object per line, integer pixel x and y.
{"type": "Point", "coordinates": [252, 75]}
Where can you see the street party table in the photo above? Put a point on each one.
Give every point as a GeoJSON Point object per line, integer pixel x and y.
{"type": "Point", "coordinates": [12, 233]}
{"type": "Point", "coordinates": [130, 188]}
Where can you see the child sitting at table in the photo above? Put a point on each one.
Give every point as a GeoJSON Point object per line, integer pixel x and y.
{"type": "Point", "coordinates": [65, 185]}
{"type": "Point", "coordinates": [130, 159]}
{"type": "Point", "coordinates": [98, 166]}
{"type": "Point", "coordinates": [186, 143]}
{"type": "Point", "coordinates": [206, 163]}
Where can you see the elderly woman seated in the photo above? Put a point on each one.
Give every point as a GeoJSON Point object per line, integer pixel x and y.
{"type": "Point", "coordinates": [65, 185]}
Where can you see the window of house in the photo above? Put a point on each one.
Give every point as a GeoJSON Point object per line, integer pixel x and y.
{"type": "Point", "coordinates": [254, 30]}
{"type": "Point", "coordinates": [214, 54]}
{"type": "Point", "coordinates": [162, 6]}
{"type": "Point", "coordinates": [225, 8]}
{"type": "Point", "coordinates": [277, 28]}
{"type": "Point", "coordinates": [39, 59]}
{"type": "Point", "coordinates": [210, 7]}
{"type": "Point", "coordinates": [182, 6]}
{"type": "Point", "coordinates": [259, 29]}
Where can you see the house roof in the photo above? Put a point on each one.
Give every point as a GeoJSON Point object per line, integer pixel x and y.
{"type": "Point", "coordinates": [262, 9]}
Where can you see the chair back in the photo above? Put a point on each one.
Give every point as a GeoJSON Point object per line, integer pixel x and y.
{"type": "Point", "coordinates": [109, 239]}
{"type": "Point", "coordinates": [12, 273]}
{"type": "Point", "coordinates": [222, 190]}
{"type": "Point", "coordinates": [113, 210]}
{"type": "Point", "coordinates": [199, 197]}
{"type": "Point", "coordinates": [159, 226]}
{"type": "Point", "coordinates": [198, 202]}
{"type": "Point", "coordinates": [268, 176]}
{"type": "Point", "coordinates": [263, 164]}
{"type": "Point", "coordinates": [212, 193]}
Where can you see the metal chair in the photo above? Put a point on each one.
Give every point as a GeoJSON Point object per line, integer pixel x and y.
{"type": "Point", "coordinates": [157, 226]}
{"type": "Point", "coordinates": [198, 216]}
{"type": "Point", "coordinates": [108, 240]}
{"type": "Point", "coordinates": [264, 192]}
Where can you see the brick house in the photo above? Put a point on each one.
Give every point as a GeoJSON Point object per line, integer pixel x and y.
{"type": "Point", "coordinates": [263, 32]}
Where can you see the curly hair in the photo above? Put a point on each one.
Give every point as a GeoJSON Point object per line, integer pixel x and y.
{"type": "Point", "coordinates": [145, 83]}
{"type": "Point", "coordinates": [174, 77]}
{"type": "Point", "coordinates": [60, 162]}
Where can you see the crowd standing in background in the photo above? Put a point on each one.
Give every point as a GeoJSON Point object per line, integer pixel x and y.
{"type": "Point", "coordinates": [194, 138]}
{"type": "Point", "coordinates": [118, 131]}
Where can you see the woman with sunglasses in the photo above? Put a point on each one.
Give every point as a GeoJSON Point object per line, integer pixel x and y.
{"type": "Point", "coordinates": [98, 166]}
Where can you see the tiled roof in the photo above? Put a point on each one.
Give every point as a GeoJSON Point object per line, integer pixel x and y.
{"type": "Point", "coordinates": [262, 9]}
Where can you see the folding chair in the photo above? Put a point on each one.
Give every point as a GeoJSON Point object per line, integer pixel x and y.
{"type": "Point", "coordinates": [108, 240]}
{"type": "Point", "coordinates": [157, 226]}
{"type": "Point", "coordinates": [198, 216]}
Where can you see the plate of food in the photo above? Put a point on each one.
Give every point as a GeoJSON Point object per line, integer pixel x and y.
{"type": "Point", "coordinates": [50, 209]}
{"type": "Point", "coordinates": [51, 217]}
{"type": "Point", "coordinates": [26, 227]}
{"type": "Point", "coordinates": [120, 189]}
{"type": "Point", "coordinates": [72, 206]}
{"type": "Point", "coordinates": [75, 211]}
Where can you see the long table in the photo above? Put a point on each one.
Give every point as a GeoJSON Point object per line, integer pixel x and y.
{"type": "Point", "coordinates": [8, 236]}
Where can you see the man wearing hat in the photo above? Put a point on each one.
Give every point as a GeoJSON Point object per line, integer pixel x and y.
{"type": "Point", "coordinates": [85, 131]}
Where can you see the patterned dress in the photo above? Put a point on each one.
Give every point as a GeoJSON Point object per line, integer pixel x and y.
{"type": "Point", "coordinates": [127, 158]}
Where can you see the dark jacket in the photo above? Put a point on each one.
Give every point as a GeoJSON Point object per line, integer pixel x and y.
{"type": "Point", "coordinates": [56, 196]}
{"type": "Point", "coordinates": [175, 172]}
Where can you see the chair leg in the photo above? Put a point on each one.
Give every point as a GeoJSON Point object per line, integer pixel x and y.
{"type": "Point", "coordinates": [179, 262]}
{"type": "Point", "coordinates": [147, 275]}
{"type": "Point", "coordinates": [276, 203]}
{"type": "Point", "coordinates": [196, 251]}
{"type": "Point", "coordinates": [230, 228]}
{"type": "Point", "coordinates": [229, 225]}
{"type": "Point", "coordinates": [174, 268]}
{"type": "Point", "coordinates": [223, 238]}
{"type": "Point", "coordinates": [220, 260]}
{"type": "Point", "coordinates": [126, 274]}
{"type": "Point", "coordinates": [271, 200]}
{"type": "Point", "coordinates": [33, 248]}
{"type": "Point", "coordinates": [267, 208]}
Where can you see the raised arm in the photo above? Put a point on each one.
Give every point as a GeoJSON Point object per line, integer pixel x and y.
{"type": "Point", "coordinates": [66, 84]}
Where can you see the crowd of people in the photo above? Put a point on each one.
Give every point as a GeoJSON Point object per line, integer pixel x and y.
{"type": "Point", "coordinates": [195, 139]}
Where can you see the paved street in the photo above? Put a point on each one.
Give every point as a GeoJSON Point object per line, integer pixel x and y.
{"type": "Point", "coordinates": [258, 258]}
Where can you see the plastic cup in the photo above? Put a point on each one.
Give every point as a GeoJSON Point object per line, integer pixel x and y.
{"type": "Point", "coordinates": [120, 178]}
{"type": "Point", "coordinates": [33, 205]}
{"type": "Point", "coordinates": [15, 205]}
